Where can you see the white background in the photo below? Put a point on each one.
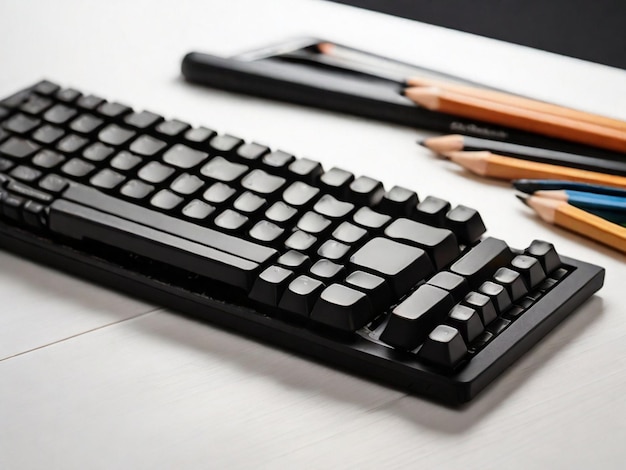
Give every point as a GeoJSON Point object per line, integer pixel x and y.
{"type": "Point", "coordinates": [93, 379]}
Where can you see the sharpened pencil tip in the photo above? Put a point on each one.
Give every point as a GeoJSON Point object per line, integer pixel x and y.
{"type": "Point", "coordinates": [522, 197]}
{"type": "Point", "coordinates": [523, 186]}
{"type": "Point", "coordinates": [422, 142]}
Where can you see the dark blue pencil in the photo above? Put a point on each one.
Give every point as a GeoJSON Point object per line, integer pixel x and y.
{"type": "Point", "coordinates": [530, 186]}
{"type": "Point", "coordinates": [585, 200]}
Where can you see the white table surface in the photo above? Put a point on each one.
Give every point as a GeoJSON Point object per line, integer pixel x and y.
{"type": "Point", "coordinates": [90, 378]}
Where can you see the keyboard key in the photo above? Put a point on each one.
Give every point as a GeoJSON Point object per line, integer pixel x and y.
{"type": "Point", "coordinates": [5, 164]}
{"type": "Point", "coordinates": [401, 265]}
{"type": "Point", "coordinates": [262, 182]}
{"type": "Point", "coordinates": [294, 260]}
{"type": "Point", "coordinates": [432, 211]}
{"type": "Point", "coordinates": [313, 223]}
{"type": "Point", "coordinates": [280, 212]}
{"type": "Point", "coordinates": [21, 124]}
{"type": "Point", "coordinates": [199, 135]}
{"type": "Point", "coordinates": [28, 192]}
{"type": "Point", "coordinates": [249, 203]}
{"type": "Point", "coordinates": [336, 181]}
{"type": "Point", "coordinates": [107, 179]}
{"type": "Point", "coordinates": [12, 206]}
{"type": "Point", "coordinates": [231, 220]}
{"type": "Point", "coordinates": [16, 147]}
{"type": "Point", "coordinates": [444, 347]}
{"type": "Point", "coordinates": [366, 217]}
{"type": "Point", "coordinates": [184, 157]}
{"type": "Point", "coordinates": [306, 170]}
{"type": "Point", "coordinates": [467, 321]}
{"type": "Point", "coordinates": [77, 167]}
{"type": "Point", "coordinates": [71, 143]}
{"type": "Point", "coordinates": [483, 305]}
{"type": "Point", "coordinates": [366, 191]}
{"type": "Point", "coordinates": [59, 114]}
{"type": "Point", "coordinates": [270, 285]}
{"type": "Point", "coordinates": [147, 146]}
{"type": "Point", "coordinates": [165, 199]}
{"type": "Point", "coordinates": [67, 95]}
{"type": "Point", "coordinates": [251, 151]}
{"type": "Point", "coordinates": [172, 128]}
{"type": "Point", "coordinates": [343, 308]}
{"type": "Point", "coordinates": [301, 295]}
{"type": "Point", "coordinates": [85, 124]}
{"type": "Point", "coordinates": [115, 135]}
{"type": "Point", "coordinates": [136, 189]}
{"type": "Point", "coordinates": [218, 193]}
{"type": "Point", "coordinates": [300, 241]}
{"type": "Point", "coordinates": [198, 209]}
{"type": "Point", "coordinates": [332, 208]}
{"type": "Point", "coordinates": [25, 173]}
{"type": "Point", "coordinates": [333, 250]}
{"type": "Point", "coordinates": [546, 254]}
{"type": "Point", "coordinates": [498, 295]}
{"type": "Point", "coordinates": [299, 194]}
{"type": "Point", "coordinates": [466, 224]}
{"type": "Point", "coordinates": [225, 142]}
{"type": "Point", "coordinates": [278, 159]}
{"type": "Point", "coordinates": [414, 318]}
{"type": "Point", "coordinates": [376, 288]}
{"type": "Point", "coordinates": [327, 271]}
{"type": "Point", "coordinates": [142, 120]}
{"type": "Point", "coordinates": [222, 170]}
{"type": "Point", "coordinates": [46, 87]}
{"type": "Point", "coordinates": [482, 261]}
{"type": "Point", "coordinates": [453, 283]}
{"type": "Point", "coordinates": [113, 110]}
{"type": "Point", "coordinates": [97, 152]}
{"type": "Point", "coordinates": [34, 214]}
{"type": "Point", "coordinates": [53, 183]}
{"type": "Point", "coordinates": [36, 104]}
{"type": "Point", "coordinates": [155, 172]}
{"type": "Point", "coordinates": [89, 102]}
{"type": "Point", "coordinates": [125, 161]}
{"type": "Point", "coordinates": [48, 134]}
{"type": "Point", "coordinates": [265, 231]}
{"type": "Point", "coordinates": [186, 184]}
{"type": "Point", "coordinates": [512, 281]}
{"type": "Point", "coordinates": [349, 233]}
{"type": "Point", "coordinates": [399, 202]}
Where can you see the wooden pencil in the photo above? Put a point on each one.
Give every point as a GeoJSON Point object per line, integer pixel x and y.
{"type": "Point", "coordinates": [577, 220]}
{"type": "Point", "coordinates": [507, 168]}
{"type": "Point", "coordinates": [520, 102]}
{"type": "Point", "coordinates": [461, 105]}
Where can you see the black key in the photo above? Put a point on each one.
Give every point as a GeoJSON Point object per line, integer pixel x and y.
{"type": "Point", "coordinates": [155, 172]}
{"type": "Point", "coordinates": [184, 157]}
{"type": "Point", "coordinates": [305, 169]}
{"type": "Point", "coordinates": [36, 104]}
{"type": "Point", "coordinates": [249, 203]}
{"type": "Point", "coordinates": [467, 321]}
{"type": "Point", "coordinates": [53, 183]}
{"type": "Point", "coordinates": [222, 170]}
{"type": "Point", "coordinates": [115, 135]}
{"type": "Point", "coordinates": [5, 164]}
{"type": "Point", "coordinates": [147, 146]}
{"type": "Point", "coordinates": [300, 241]}
{"type": "Point", "coordinates": [498, 294]}
{"type": "Point", "coordinates": [12, 206]}
{"type": "Point", "coordinates": [71, 143]}
{"type": "Point", "coordinates": [336, 181]}
{"type": "Point", "coordinates": [444, 347]}
{"type": "Point", "coordinates": [18, 148]}
{"type": "Point", "coordinates": [142, 120]}
{"type": "Point", "coordinates": [278, 159]}
{"type": "Point", "coordinates": [165, 199]}
{"type": "Point", "coordinates": [48, 134]}
{"type": "Point", "coordinates": [546, 254]}
{"type": "Point", "coordinates": [113, 109]}
{"type": "Point", "coordinates": [262, 182]}
{"type": "Point", "coordinates": [440, 244]}
{"type": "Point", "coordinates": [370, 219]}
{"type": "Point", "coordinates": [86, 123]}
{"type": "Point", "coordinates": [343, 308]}
{"type": "Point", "coordinates": [366, 191]}
{"type": "Point", "coordinates": [299, 194]}
{"type": "Point", "coordinates": [25, 173]}
{"type": "Point", "coordinates": [333, 250]}
{"type": "Point", "coordinates": [432, 211]}
{"type": "Point", "coordinates": [125, 160]}
{"type": "Point", "coordinates": [77, 167]}
{"type": "Point", "coordinates": [453, 283]}
{"type": "Point", "coordinates": [97, 152]}
{"type": "Point", "coordinates": [466, 223]}
{"type": "Point", "coordinates": [375, 287]}
{"type": "Point", "coordinates": [280, 212]}
{"type": "Point", "coordinates": [157, 236]}
{"type": "Point", "coordinates": [59, 114]}
{"type": "Point", "coordinates": [332, 208]}
{"type": "Point", "coordinates": [34, 214]}
{"type": "Point", "coordinates": [401, 265]}
{"type": "Point", "coordinates": [218, 193]}
{"type": "Point", "coordinates": [313, 223]}
{"type": "Point", "coordinates": [498, 326]}
{"type": "Point", "coordinates": [172, 128]}
{"type": "Point", "coordinates": [186, 184]}
{"type": "Point", "coordinates": [398, 201]}
{"type": "Point", "coordinates": [199, 135]}
{"type": "Point", "coordinates": [266, 231]}
{"type": "Point", "coordinates": [294, 260]}
{"type": "Point", "coordinates": [270, 285]}
{"type": "Point", "coordinates": [231, 220]}
{"type": "Point", "coordinates": [512, 281]}
{"type": "Point", "coordinates": [327, 271]}
{"type": "Point", "coordinates": [21, 124]}
{"type": "Point", "coordinates": [16, 99]}
{"type": "Point", "coordinates": [198, 209]}
{"type": "Point", "coordinates": [137, 189]}
{"type": "Point", "coordinates": [483, 305]}
{"type": "Point", "coordinates": [46, 87]}
{"type": "Point", "coordinates": [413, 319]}
{"type": "Point", "coordinates": [107, 179]}
{"type": "Point", "coordinates": [3, 134]}
{"type": "Point", "coordinates": [28, 192]}
{"type": "Point", "coordinates": [349, 233]}
{"type": "Point", "coordinates": [251, 151]}
{"type": "Point", "coordinates": [67, 95]}
{"type": "Point", "coordinates": [225, 142]}
{"type": "Point", "coordinates": [301, 295]}
{"type": "Point", "coordinates": [89, 102]}
{"type": "Point", "coordinates": [482, 261]}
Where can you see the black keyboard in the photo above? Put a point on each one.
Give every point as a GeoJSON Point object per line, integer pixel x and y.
{"type": "Point", "coordinates": [321, 262]}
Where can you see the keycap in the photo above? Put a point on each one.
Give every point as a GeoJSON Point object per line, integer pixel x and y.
{"type": "Point", "coordinates": [46, 87]}
{"type": "Point", "coordinates": [498, 295]}
{"type": "Point", "coordinates": [222, 170]}
{"type": "Point", "coordinates": [71, 143]}
{"type": "Point", "coordinates": [444, 347]}
{"type": "Point", "coordinates": [294, 260]}
{"type": "Point", "coordinates": [301, 295]}
{"type": "Point", "coordinates": [155, 172]}
{"type": "Point", "coordinates": [545, 253]}
{"type": "Point", "coordinates": [369, 219]}
{"type": "Point", "coordinates": [398, 201]}
{"type": "Point", "coordinates": [376, 288]}
{"type": "Point", "coordinates": [198, 209]}
{"type": "Point", "coordinates": [249, 203]}
{"type": "Point", "coordinates": [231, 220]}
{"type": "Point", "coordinates": [333, 250]}
{"type": "Point", "coordinates": [172, 127]}
{"type": "Point", "coordinates": [225, 142]}
{"type": "Point", "coordinates": [251, 151]}
{"type": "Point", "coordinates": [414, 318]}
{"type": "Point", "coordinates": [136, 189]}
{"type": "Point", "coordinates": [432, 211]}
{"type": "Point", "coordinates": [300, 241]}
{"type": "Point", "coordinates": [16, 147]}
{"type": "Point", "coordinates": [116, 135]}
{"type": "Point", "coordinates": [53, 183]}
{"type": "Point", "coordinates": [467, 322]}
{"type": "Point", "coordinates": [142, 120]}
{"type": "Point", "coordinates": [456, 285]}
{"type": "Point", "coordinates": [261, 182]}
{"type": "Point", "coordinates": [86, 123]}
{"type": "Point", "coordinates": [265, 231]}
{"type": "Point", "coordinates": [483, 305]}
{"type": "Point", "coordinates": [59, 114]}
{"type": "Point", "coordinates": [199, 134]}
{"type": "Point", "coordinates": [28, 192]}
{"type": "Point", "coordinates": [89, 102]}
{"type": "Point", "coordinates": [187, 184]}
{"type": "Point", "coordinates": [482, 261]}
{"type": "Point", "coordinates": [97, 152]}
{"type": "Point", "coordinates": [48, 134]}
{"type": "Point", "coordinates": [21, 123]}
{"type": "Point", "coordinates": [113, 109]}
{"type": "Point", "coordinates": [107, 179]}
{"type": "Point", "coordinates": [125, 160]}
{"type": "Point", "coordinates": [306, 170]}
{"type": "Point", "coordinates": [336, 181]}
{"type": "Point", "coordinates": [34, 214]}
{"type": "Point", "coordinates": [343, 308]}
{"type": "Point", "coordinates": [280, 212]}
{"type": "Point", "coordinates": [67, 95]}
{"type": "Point", "coordinates": [401, 265]}
{"type": "Point", "coordinates": [498, 325]}
{"type": "Point", "coordinates": [440, 244]}
{"type": "Point", "coordinates": [270, 285]}
{"type": "Point", "coordinates": [182, 156]}
{"type": "Point", "coordinates": [512, 281]}
{"type": "Point", "coordinates": [313, 223]}
{"type": "Point", "coordinates": [35, 104]}
{"type": "Point", "coordinates": [332, 208]}
{"type": "Point", "coordinates": [299, 194]}
{"type": "Point", "coordinates": [5, 164]}
{"type": "Point", "coordinates": [25, 173]}
{"type": "Point", "coordinates": [166, 199]}
{"type": "Point", "coordinates": [466, 223]}
{"type": "Point", "coordinates": [349, 233]}
{"type": "Point", "coordinates": [12, 206]}
{"type": "Point", "coordinates": [147, 146]}
{"type": "Point", "coordinates": [278, 159]}
{"type": "Point", "coordinates": [218, 193]}
{"type": "Point", "coordinates": [327, 271]}
{"type": "Point", "coordinates": [366, 191]}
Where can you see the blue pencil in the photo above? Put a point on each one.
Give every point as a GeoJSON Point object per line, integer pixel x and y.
{"type": "Point", "coordinates": [530, 186]}
{"type": "Point", "coordinates": [585, 200]}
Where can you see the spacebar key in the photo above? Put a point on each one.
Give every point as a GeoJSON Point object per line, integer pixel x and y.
{"type": "Point", "coordinates": [81, 222]}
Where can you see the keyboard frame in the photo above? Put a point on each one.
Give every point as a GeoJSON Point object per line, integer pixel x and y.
{"type": "Point", "coordinates": [351, 353]}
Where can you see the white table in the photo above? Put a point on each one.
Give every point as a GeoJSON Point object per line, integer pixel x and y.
{"type": "Point", "coordinates": [93, 379]}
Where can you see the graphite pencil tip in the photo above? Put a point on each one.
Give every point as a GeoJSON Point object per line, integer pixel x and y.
{"type": "Point", "coordinates": [524, 186]}
{"type": "Point", "coordinates": [522, 197]}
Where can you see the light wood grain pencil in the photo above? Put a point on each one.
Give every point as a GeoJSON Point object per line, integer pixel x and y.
{"type": "Point", "coordinates": [507, 168]}
{"type": "Point", "coordinates": [577, 220]}
{"type": "Point", "coordinates": [457, 104]}
{"type": "Point", "coordinates": [520, 102]}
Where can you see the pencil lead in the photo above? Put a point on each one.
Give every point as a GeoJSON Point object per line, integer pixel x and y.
{"type": "Point", "coordinates": [522, 197]}
{"type": "Point", "coordinates": [422, 142]}
{"type": "Point", "coordinates": [523, 186]}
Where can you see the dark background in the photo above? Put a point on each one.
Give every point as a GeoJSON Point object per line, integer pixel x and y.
{"type": "Point", "coordinates": [593, 30]}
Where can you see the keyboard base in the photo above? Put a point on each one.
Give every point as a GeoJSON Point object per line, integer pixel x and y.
{"type": "Point", "coordinates": [352, 353]}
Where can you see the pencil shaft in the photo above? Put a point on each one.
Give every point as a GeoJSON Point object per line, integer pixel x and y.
{"type": "Point", "coordinates": [530, 186]}
{"type": "Point", "coordinates": [591, 226]}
